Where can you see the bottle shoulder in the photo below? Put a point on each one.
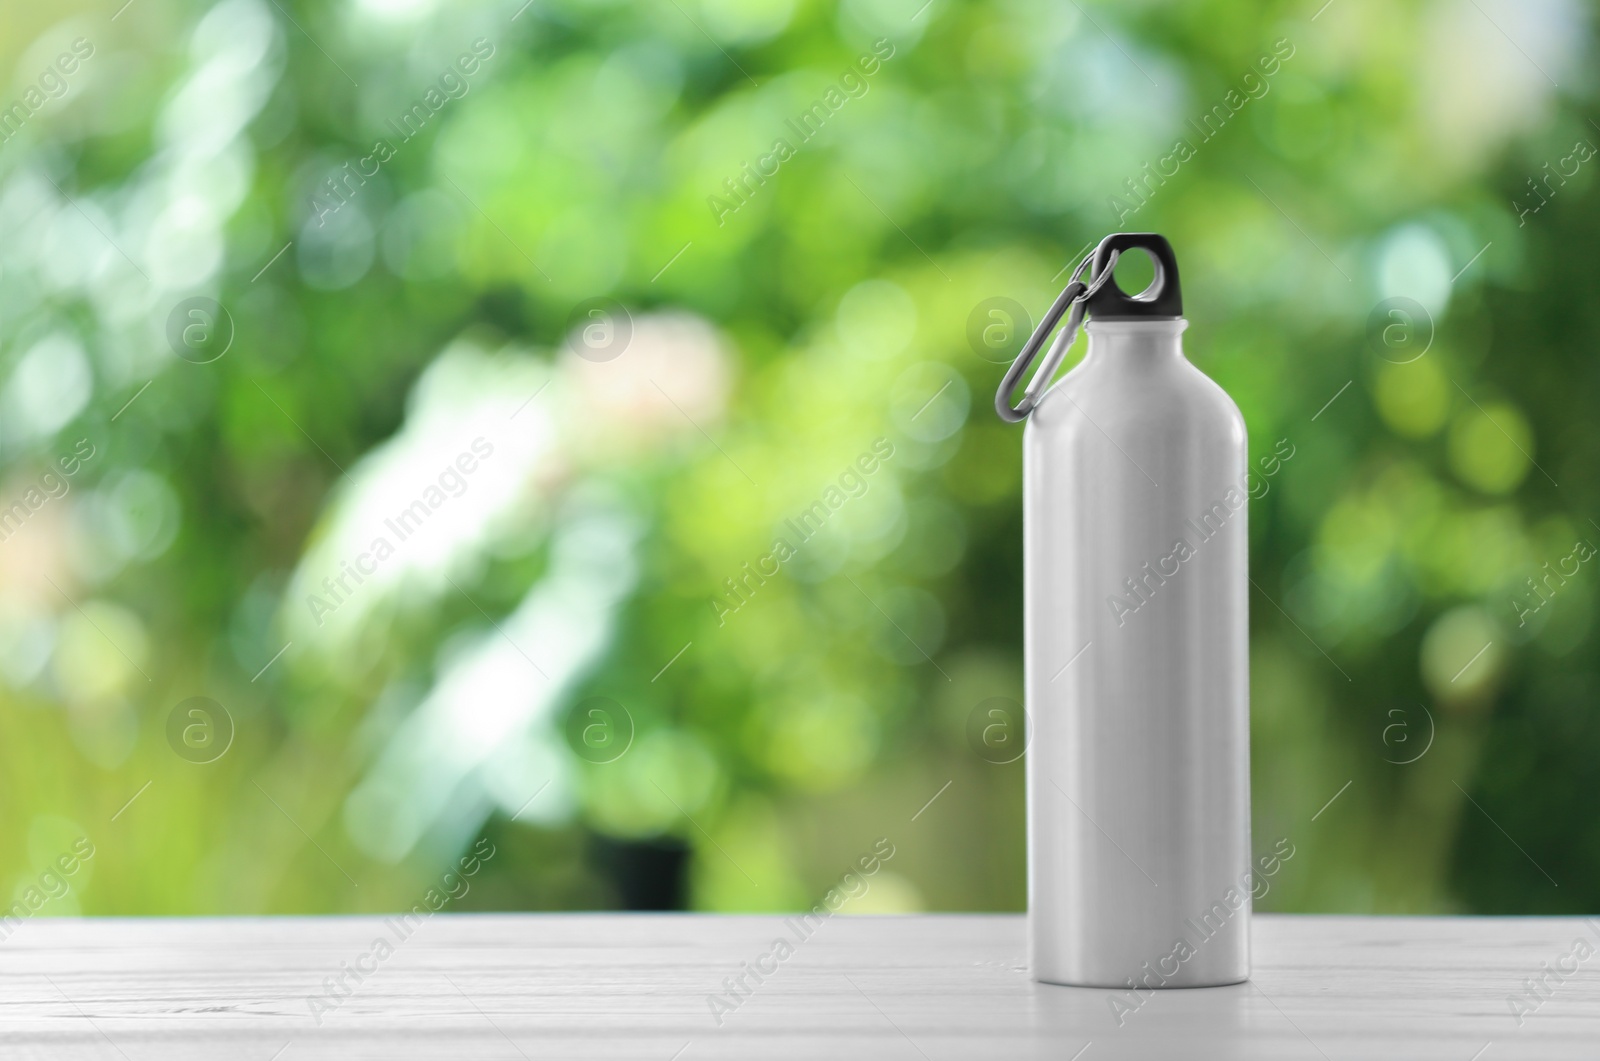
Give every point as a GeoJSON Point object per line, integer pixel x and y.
{"type": "Point", "coordinates": [1172, 394]}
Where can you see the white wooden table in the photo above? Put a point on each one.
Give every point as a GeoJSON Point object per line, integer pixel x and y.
{"type": "Point", "coordinates": [636, 986]}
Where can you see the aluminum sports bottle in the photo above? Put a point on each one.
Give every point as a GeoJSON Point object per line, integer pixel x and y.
{"type": "Point", "coordinates": [1136, 647]}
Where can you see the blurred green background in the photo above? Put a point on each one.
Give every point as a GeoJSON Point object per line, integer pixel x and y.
{"type": "Point", "coordinates": [409, 217]}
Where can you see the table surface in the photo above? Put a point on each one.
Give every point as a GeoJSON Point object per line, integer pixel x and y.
{"type": "Point", "coordinates": [638, 987]}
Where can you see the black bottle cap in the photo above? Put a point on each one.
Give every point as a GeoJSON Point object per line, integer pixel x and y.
{"type": "Point", "coordinates": [1164, 298]}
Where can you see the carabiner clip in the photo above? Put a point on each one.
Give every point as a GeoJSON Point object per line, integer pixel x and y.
{"type": "Point", "coordinates": [1071, 302]}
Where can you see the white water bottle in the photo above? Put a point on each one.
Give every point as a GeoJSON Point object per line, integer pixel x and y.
{"type": "Point", "coordinates": [1137, 652]}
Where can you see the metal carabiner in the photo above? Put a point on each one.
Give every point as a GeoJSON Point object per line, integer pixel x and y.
{"type": "Point", "coordinates": [1071, 301]}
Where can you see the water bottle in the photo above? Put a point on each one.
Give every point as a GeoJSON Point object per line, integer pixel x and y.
{"type": "Point", "coordinates": [1136, 645]}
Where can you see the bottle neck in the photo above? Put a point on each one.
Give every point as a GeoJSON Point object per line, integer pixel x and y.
{"type": "Point", "coordinates": [1135, 342]}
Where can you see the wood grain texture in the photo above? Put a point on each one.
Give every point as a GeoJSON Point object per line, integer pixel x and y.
{"type": "Point", "coordinates": [636, 986]}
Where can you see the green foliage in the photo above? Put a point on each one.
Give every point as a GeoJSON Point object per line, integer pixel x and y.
{"type": "Point", "coordinates": [796, 310]}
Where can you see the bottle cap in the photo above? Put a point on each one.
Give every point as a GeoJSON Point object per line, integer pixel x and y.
{"type": "Point", "coordinates": [1163, 298]}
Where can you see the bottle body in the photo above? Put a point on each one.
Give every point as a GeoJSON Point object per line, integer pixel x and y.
{"type": "Point", "coordinates": [1137, 669]}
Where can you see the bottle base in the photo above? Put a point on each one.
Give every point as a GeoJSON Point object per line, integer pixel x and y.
{"type": "Point", "coordinates": [1106, 984]}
